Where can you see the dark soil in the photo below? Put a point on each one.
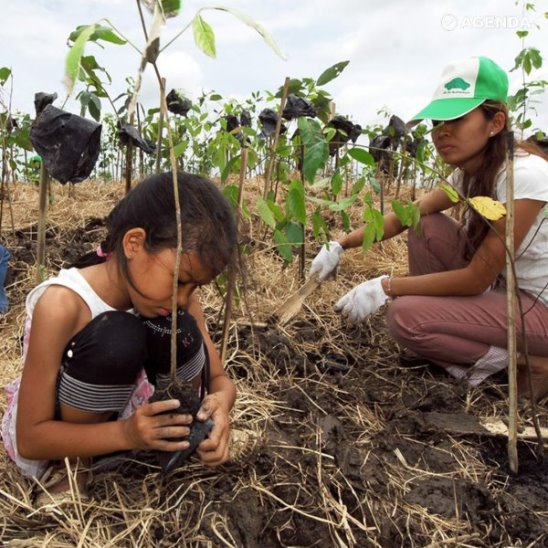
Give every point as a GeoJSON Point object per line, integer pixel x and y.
{"type": "Point", "coordinates": [389, 469]}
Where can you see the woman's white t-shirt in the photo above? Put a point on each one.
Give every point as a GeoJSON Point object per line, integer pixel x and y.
{"type": "Point", "coordinates": [530, 182]}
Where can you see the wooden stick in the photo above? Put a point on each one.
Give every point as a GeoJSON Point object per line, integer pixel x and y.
{"type": "Point", "coordinates": [272, 153]}
{"type": "Point", "coordinates": [292, 306]}
{"type": "Point", "coordinates": [42, 214]}
{"type": "Point", "coordinates": [160, 130]}
{"type": "Point", "coordinates": [232, 272]}
{"type": "Point", "coordinates": [511, 308]}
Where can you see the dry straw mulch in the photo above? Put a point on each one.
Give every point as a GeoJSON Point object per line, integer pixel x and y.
{"type": "Point", "coordinates": [345, 458]}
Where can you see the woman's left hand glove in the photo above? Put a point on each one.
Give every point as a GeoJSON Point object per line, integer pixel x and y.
{"type": "Point", "coordinates": [363, 300]}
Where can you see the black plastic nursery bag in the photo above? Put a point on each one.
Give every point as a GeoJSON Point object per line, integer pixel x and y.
{"type": "Point", "coordinates": [68, 144]}
{"type": "Point", "coordinates": [178, 104]}
{"type": "Point", "coordinates": [127, 133]}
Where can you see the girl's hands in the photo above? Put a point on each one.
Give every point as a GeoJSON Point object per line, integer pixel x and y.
{"type": "Point", "coordinates": [148, 428]}
{"type": "Point", "coordinates": [214, 449]}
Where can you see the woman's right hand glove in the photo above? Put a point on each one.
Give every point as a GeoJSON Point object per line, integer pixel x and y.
{"type": "Point", "coordinates": [326, 261]}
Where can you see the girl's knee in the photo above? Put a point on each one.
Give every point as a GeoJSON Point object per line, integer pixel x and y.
{"type": "Point", "coordinates": [111, 348]}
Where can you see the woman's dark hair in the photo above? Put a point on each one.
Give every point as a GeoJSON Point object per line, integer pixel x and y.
{"type": "Point", "coordinates": [482, 182]}
{"type": "Point", "coordinates": [208, 226]}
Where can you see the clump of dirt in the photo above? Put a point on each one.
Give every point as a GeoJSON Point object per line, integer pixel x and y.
{"type": "Point", "coordinates": [189, 405]}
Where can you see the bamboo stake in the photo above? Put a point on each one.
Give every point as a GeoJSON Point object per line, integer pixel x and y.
{"type": "Point", "coordinates": [272, 152]}
{"type": "Point", "coordinates": [43, 209]}
{"type": "Point", "coordinates": [511, 308]}
{"type": "Point", "coordinates": [160, 129]}
{"type": "Point", "coordinates": [232, 272]}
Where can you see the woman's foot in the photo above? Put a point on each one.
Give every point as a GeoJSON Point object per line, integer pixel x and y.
{"type": "Point", "coordinates": [539, 377]}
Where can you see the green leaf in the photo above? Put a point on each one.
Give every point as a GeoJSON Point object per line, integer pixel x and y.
{"type": "Point", "coordinates": [254, 25]}
{"type": "Point", "coordinates": [5, 73]}
{"type": "Point", "coordinates": [180, 148]}
{"type": "Point", "coordinates": [375, 185]}
{"type": "Point", "coordinates": [278, 212]}
{"type": "Point", "coordinates": [171, 7]}
{"type": "Point", "coordinates": [316, 149]}
{"type": "Point", "coordinates": [362, 156]}
{"type": "Point", "coordinates": [215, 97]}
{"type": "Point", "coordinates": [321, 183]}
{"type": "Point", "coordinates": [106, 34]}
{"type": "Point", "coordinates": [265, 213]}
{"type": "Point", "coordinates": [331, 73]}
{"type": "Point", "coordinates": [452, 194]}
{"type": "Point", "coordinates": [229, 167]}
{"type": "Point", "coordinates": [320, 201]}
{"type": "Point", "coordinates": [343, 204]}
{"type": "Point", "coordinates": [204, 36]}
{"type": "Point", "coordinates": [345, 221]}
{"type": "Point", "coordinates": [283, 246]}
{"type": "Point", "coordinates": [94, 107]}
{"type": "Point", "coordinates": [295, 201]}
{"type": "Point", "coordinates": [72, 63]}
{"type": "Point", "coordinates": [230, 192]}
{"type": "Point", "coordinates": [368, 236]}
{"type": "Point", "coordinates": [294, 233]}
{"type": "Point", "coordinates": [358, 186]}
{"type": "Point", "coordinates": [336, 183]}
{"type": "Point", "coordinates": [319, 225]}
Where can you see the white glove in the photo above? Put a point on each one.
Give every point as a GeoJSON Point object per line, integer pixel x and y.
{"type": "Point", "coordinates": [327, 260]}
{"type": "Point", "coordinates": [363, 300]}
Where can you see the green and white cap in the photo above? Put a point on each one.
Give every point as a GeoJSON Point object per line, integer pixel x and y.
{"type": "Point", "coordinates": [465, 84]}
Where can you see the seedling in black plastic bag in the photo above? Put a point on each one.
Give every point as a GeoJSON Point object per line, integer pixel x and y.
{"type": "Point", "coordinates": [189, 404]}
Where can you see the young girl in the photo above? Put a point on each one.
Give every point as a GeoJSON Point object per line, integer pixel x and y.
{"type": "Point", "coordinates": [450, 309]}
{"type": "Point", "coordinates": [83, 392]}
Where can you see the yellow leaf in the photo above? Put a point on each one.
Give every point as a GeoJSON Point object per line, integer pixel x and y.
{"type": "Point", "coordinates": [487, 207]}
{"type": "Point", "coordinates": [451, 192]}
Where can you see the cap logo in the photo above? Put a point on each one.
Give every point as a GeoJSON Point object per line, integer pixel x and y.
{"type": "Point", "coordinates": [457, 83]}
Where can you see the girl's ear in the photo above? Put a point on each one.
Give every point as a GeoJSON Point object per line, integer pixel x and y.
{"type": "Point", "coordinates": [134, 242]}
{"type": "Point", "coordinates": [498, 122]}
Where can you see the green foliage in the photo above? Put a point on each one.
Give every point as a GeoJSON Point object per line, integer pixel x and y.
{"type": "Point", "coordinates": [316, 149]}
{"type": "Point", "coordinates": [408, 214]}
{"type": "Point", "coordinates": [5, 73]}
{"type": "Point", "coordinates": [319, 226]}
{"type": "Point", "coordinates": [204, 36]}
{"type": "Point", "coordinates": [72, 63]}
{"type": "Point", "coordinates": [528, 59]}
{"type": "Point", "coordinates": [452, 194]}
{"type": "Point", "coordinates": [265, 212]}
{"type": "Point", "coordinates": [250, 23]}
{"type": "Point", "coordinates": [331, 73]}
{"type": "Point", "coordinates": [336, 183]}
{"type": "Point", "coordinates": [361, 155]}
{"type": "Point", "coordinates": [295, 202]}
{"type": "Point", "coordinates": [283, 246]}
{"type": "Point", "coordinates": [374, 224]}
{"type": "Point", "coordinates": [100, 33]}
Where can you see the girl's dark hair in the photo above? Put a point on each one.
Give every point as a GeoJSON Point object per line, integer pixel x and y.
{"type": "Point", "coordinates": [208, 226]}
{"type": "Point", "coordinates": [482, 183]}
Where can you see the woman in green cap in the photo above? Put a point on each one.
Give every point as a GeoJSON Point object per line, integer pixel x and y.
{"type": "Point", "coordinates": [451, 309]}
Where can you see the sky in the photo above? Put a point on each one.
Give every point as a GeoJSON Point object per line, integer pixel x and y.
{"type": "Point", "coordinates": [396, 48]}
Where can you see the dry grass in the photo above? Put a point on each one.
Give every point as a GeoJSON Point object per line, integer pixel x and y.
{"type": "Point", "coordinates": [339, 464]}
